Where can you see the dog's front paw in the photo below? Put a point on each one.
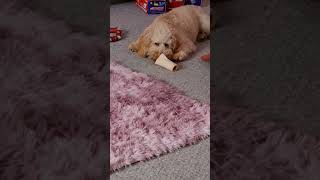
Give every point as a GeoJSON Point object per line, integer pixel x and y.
{"type": "Point", "coordinates": [132, 47]}
{"type": "Point", "coordinates": [179, 56]}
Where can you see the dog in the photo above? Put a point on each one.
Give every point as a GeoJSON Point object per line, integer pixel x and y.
{"type": "Point", "coordinates": [173, 34]}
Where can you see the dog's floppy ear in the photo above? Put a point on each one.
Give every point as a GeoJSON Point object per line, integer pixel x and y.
{"type": "Point", "coordinates": [142, 44]}
{"type": "Point", "coordinates": [175, 42]}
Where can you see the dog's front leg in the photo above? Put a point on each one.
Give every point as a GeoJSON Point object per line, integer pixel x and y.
{"type": "Point", "coordinates": [186, 47]}
{"type": "Point", "coordinates": [133, 46]}
{"type": "Point", "coordinates": [142, 43]}
{"type": "Point", "coordinates": [139, 46]}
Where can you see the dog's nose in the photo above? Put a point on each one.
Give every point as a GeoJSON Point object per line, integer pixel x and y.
{"type": "Point", "coordinates": [146, 55]}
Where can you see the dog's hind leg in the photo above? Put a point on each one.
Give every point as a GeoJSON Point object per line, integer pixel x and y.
{"type": "Point", "coordinates": [204, 21]}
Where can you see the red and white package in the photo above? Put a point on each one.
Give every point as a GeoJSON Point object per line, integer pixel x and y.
{"type": "Point", "coordinates": [115, 34]}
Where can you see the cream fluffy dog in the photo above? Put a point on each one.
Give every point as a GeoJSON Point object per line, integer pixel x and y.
{"type": "Point", "coordinates": [174, 34]}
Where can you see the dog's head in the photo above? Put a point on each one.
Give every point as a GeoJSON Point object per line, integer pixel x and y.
{"type": "Point", "coordinates": [162, 41]}
{"type": "Point", "coordinates": [157, 39]}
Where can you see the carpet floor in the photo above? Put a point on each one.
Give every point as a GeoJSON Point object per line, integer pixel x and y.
{"type": "Point", "coordinates": [194, 79]}
{"type": "Point", "coordinates": [194, 76]}
{"type": "Point", "coordinates": [150, 118]}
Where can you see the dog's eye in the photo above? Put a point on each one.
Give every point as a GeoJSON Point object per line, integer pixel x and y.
{"type": "Point", "coordinates": [166, 45]}
{"type": "Point", "coordinates": [157, 44]}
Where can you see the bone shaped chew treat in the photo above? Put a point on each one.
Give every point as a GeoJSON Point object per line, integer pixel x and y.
{"type": "Point", "coordinates": [166, 63]}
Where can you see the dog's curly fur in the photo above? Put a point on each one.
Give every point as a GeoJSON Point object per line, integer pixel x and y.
{"type": "Point", "coordinates": [174, 34]}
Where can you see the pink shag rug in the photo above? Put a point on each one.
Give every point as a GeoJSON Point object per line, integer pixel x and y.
{"type": "Point", "coordinates": [150, 118]}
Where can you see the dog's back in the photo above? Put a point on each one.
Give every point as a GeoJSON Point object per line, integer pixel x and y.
{"type": "Point", "coordinates": [184, 19]}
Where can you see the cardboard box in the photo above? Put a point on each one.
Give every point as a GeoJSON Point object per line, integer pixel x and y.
{"type": "Point", "coordinates": [193, 2]}
{"type": "Point", "coordinates": [152, 6]}
{"type": "Point", "coordinates": [174, 3]}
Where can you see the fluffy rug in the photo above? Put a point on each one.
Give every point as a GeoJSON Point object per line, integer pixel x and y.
{"type": "Point", "coordinates": [53, 100]}
{"type": "Point", "coordinates": [150, 118]}
{"type": "Point", "coordinates": [244, 147]}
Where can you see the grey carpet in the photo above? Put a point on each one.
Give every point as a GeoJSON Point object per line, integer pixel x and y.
{"type": "Point", "coordinates": [188, 163]}
{"type": "Point", "coordinates": [193, 78]}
